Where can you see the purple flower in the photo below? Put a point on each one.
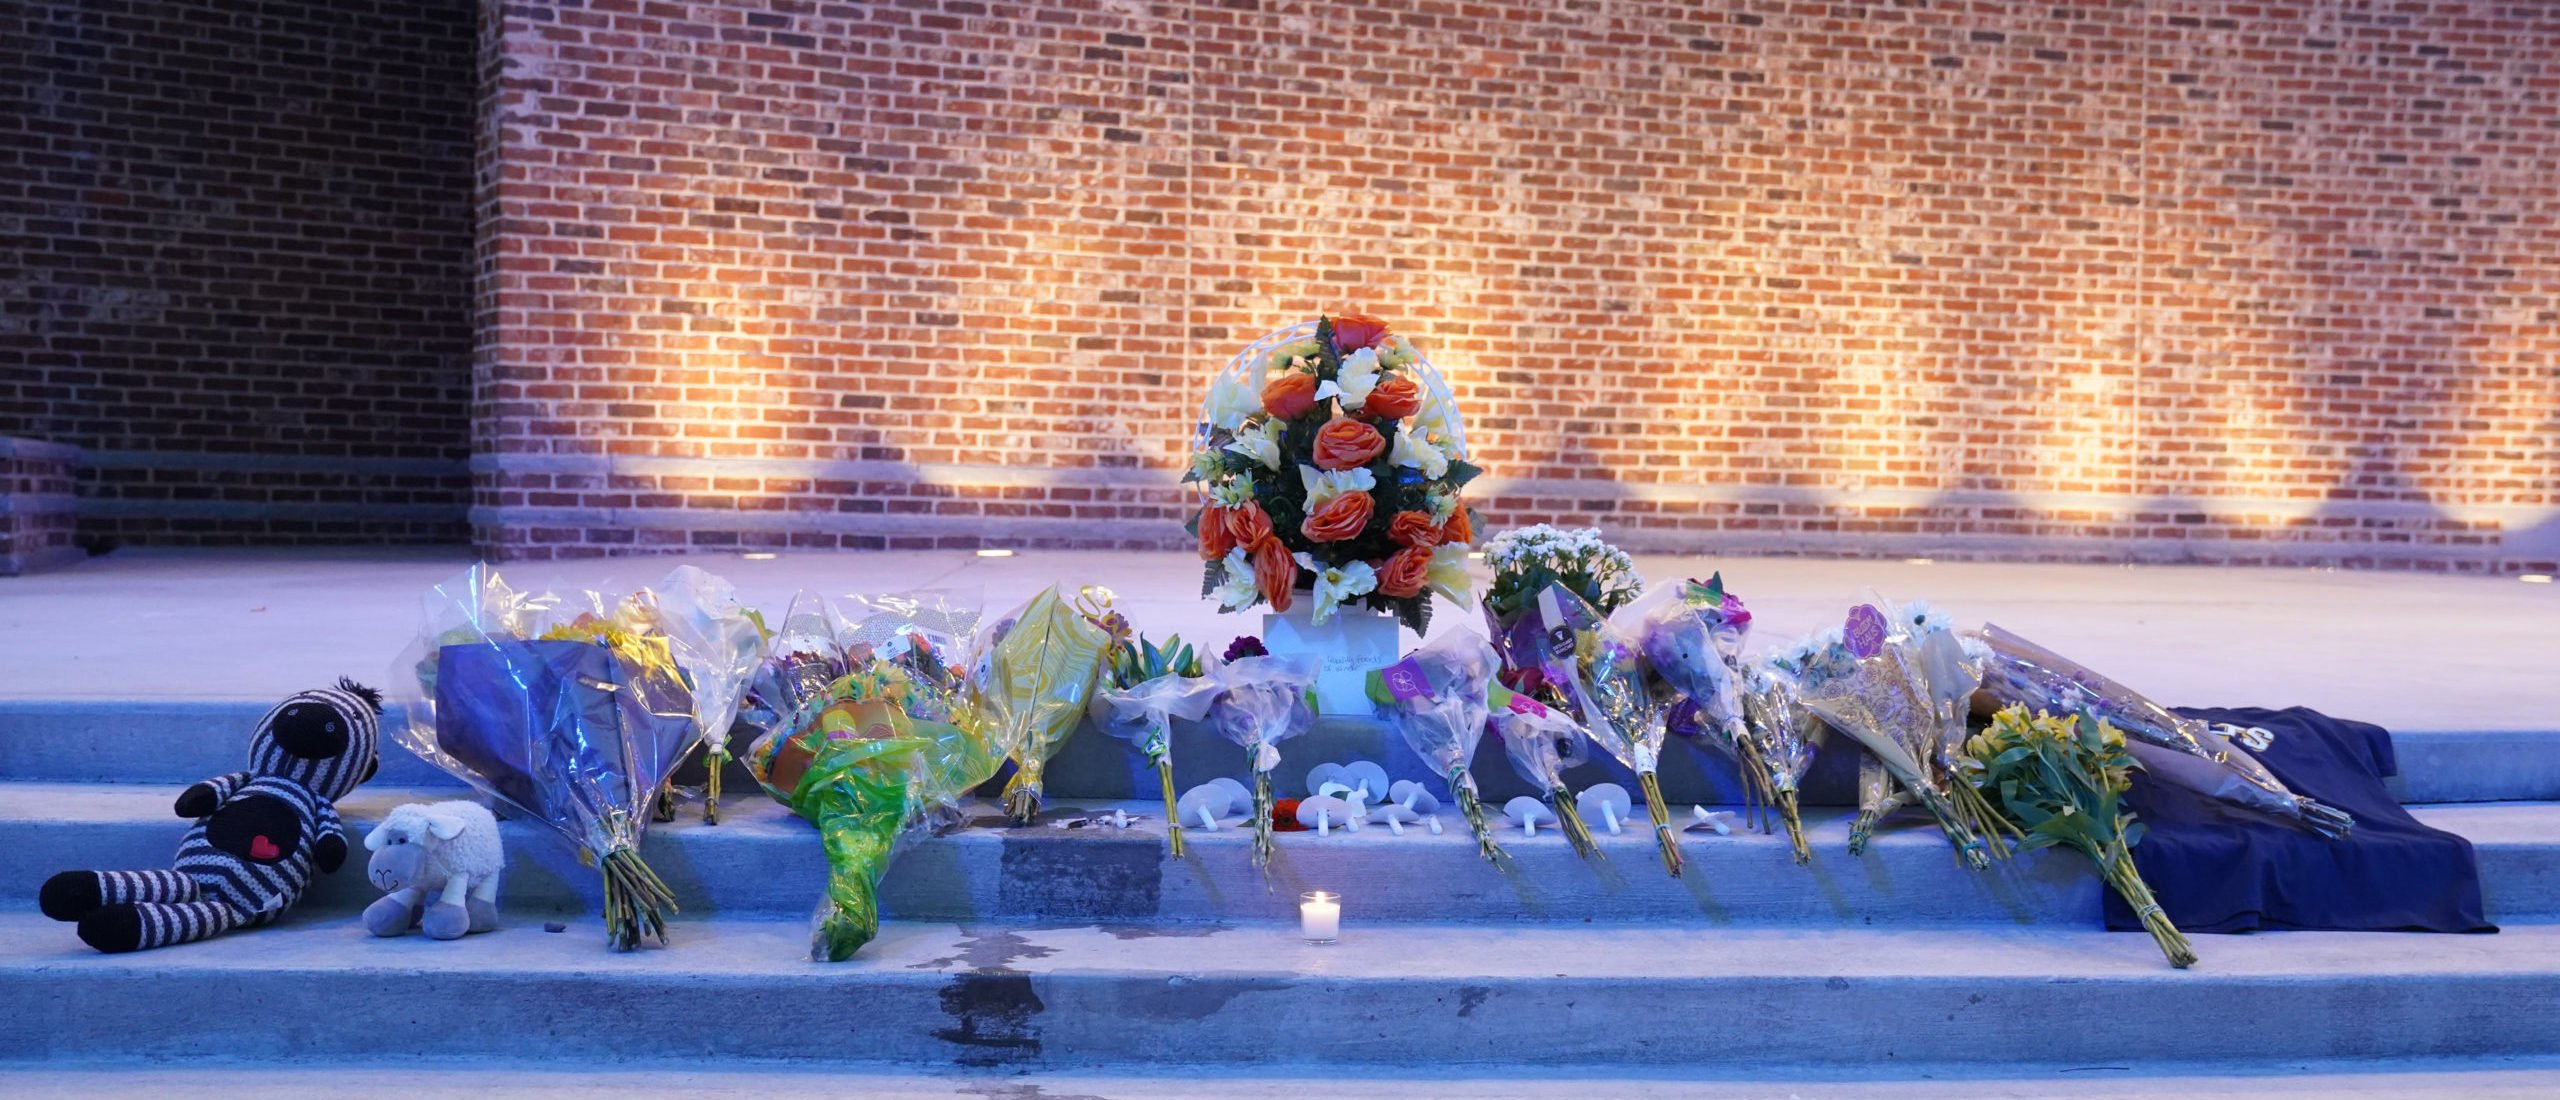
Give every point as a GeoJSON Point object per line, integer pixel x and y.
{"type": "Point", "coordinates": [1246, 646]}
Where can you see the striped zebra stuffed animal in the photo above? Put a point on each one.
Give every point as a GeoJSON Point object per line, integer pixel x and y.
{"type": "Point", "coordinates": [257, 836]}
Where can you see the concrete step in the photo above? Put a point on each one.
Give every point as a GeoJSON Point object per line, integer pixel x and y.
{"type": "Point", "coordinates": [763, 860]}
{"type": "Point", "coordinates": [927, 994]}
{"type": "Point", "coordinates": [182, 741]}
{"type": "Point", "coordinates": [2122, 1079]}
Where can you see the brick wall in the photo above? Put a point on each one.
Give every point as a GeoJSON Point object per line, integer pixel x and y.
{"type": "Point", "coordinates": [2140, 279]}
{"type": "Point", "coordinates": [36, 509]}
{"type": "Point", "coordinates": [234, 262]}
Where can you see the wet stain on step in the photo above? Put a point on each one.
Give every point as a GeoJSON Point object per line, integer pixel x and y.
{"type": "Point", "coordinates": [1086, 879]}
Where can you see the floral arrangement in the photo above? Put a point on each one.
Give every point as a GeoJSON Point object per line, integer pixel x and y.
{"type": "Point", "coordinates": [1332, 463]}
{"type": "Point", "coordinates": [2061, 781]}
{"type": "Point", "coordinates": [1526, 560]}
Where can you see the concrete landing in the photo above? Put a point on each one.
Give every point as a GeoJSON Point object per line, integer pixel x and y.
{"type": "Point", "coordinates": [2415, 653]}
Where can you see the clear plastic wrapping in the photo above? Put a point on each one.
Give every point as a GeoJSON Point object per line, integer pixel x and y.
{"type": "Point", "coordinates": [1542, 744]}
{"type": "Point", "coordinates": [2169, 745]}
{"type": "Point", "coordinates": [1897, 685]}
{"type": "Point", "coordinates": [1437, 699]}
{"type": "Point", "coordinates": [1262, 701]}
{"type": "Point", "coordinates": [1029, 683]}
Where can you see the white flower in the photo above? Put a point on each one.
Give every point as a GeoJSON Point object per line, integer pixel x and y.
{"type": "Point", "coordinates": [1324, 485]}
{"type": "Point", "coordinates": [1338, 585]}
{"type": "Point", "coordinates": [1358, 376]}
{"type": "Point", "coordinates": [1236, 396]}
{"type": "Point", "coordinates": [1260, 442]}
{"type": "Point", "coordinates": [1238, 591]}
{"type": "Point", "coordinates": [1412, 450]}
{"type": "Point", "coordinates": [1205, 465]}
{"type": "Point", "coordinates": [1232, 492]}
{"type": "Point", "coordinates": [1448, 574]}
{"type": "Point", "coordinates": [1443, 506]}
{"type": "Point", "coordinates": [1397, 352]}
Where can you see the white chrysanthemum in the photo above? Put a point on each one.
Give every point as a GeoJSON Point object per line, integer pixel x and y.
{"type": "Point", "coordinates": [1205, 465]}
{"type": "Point", "coordinates": [1442, 505]}
{"type": "Point", "coordinates": [1338, 585]}
{"type": "Point", "coordinates": [1260, 441]}
{"type": "Point", "coordinates": [1238, 591]}
{"type": "Point", "coordinates": [1412, 450]}
{"type": "Point", "coordinates": [1358, 376]}
{"type": "Point", "coordinates": [1324, 485]}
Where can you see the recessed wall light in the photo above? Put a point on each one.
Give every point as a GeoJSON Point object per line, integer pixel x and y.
{"type": "Point", "coordinates": [995, 553]}
{"type": "Point", "coordinates": [2534, 578]}
{"type": "Point", "coordinates": [1919, 561]}
{"type": "Point", "coordinates": [760, 555]}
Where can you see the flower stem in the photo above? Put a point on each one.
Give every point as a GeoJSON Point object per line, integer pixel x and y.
{"type": "Point", "coordinates": [1262, 819]}
{"type": "Point", "coordinates": [715, 758]}
{"type": "Point", "coordinates": [1570, 820]}
{"type": "Point", "coordinates": [635, 900]}
{"type": "Point", "coordinates": [2117, 867]}
{"type": "Point", "coordinates": [1790, 813]}
{"type": "Point", "coordinates": [1662, 833]}
{"type": "Point", "coordinates": [1172, 820]}
{"type": "Point", "coordinates": [1472, 807]}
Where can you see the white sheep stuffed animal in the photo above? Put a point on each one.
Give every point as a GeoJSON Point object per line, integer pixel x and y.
{"type": "Point", "coordinates": [440, 862]}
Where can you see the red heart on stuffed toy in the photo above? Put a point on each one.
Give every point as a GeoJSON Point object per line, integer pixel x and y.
{"type": "Point", "coordinates": [263, 848]}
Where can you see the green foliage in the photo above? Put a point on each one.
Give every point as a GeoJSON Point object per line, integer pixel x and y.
{"type": "Point", "coordinates": [2060, 781]}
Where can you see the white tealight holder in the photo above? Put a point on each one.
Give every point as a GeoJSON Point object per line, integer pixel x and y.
{"type": "Point", "coordinates": [1320, 916]}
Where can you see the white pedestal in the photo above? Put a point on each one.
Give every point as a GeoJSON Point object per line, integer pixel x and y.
{"type": "Point", "coordinates": [1347, 649]}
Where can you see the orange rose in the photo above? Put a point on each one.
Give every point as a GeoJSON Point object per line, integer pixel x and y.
{"type": "Point", "coordinates": [1290, 396]}
{"type": "Point", "coordinates": [1275, 573]}
{"type": "Point", "coordinates": [1395, 398]}
{"type": "Point", "coordinates": [1459, 529]}
{"type": "Point", "coordinates": [1404, 573]}
{"type": "Point", "coordinates": [1341, 518]}
{"type": "Point", "coordinates": [1247, 526]}
{"type": "Point", "coordinates": [1414, 529]}
{"type": "Point", "coordinates": [1344, 443]}
{"type": "Point", "coordinates": [1354, 331]}
{"type": "Point", "coordinates": [1214, 539]}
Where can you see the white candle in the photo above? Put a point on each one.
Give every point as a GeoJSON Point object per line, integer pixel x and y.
{"type": "Point", "coordinates": [1319, 916]}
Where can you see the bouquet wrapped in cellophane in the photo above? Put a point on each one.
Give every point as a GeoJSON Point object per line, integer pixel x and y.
{"type": "Point", "coordinates": [1542, 744]}
{"type": "Point", "coordinates": [1694, 639]}
{"type": "Point", "coordinates": [701, 614]}
{"type": "Point", "coordinates": [1032, 678]}
{"type": "Point", "coordinates": [573, 712]}
{"type": "Point", "coordinates": [2176, 748]}
{"type": "Point", "coordinates": [1437, 699]}
{"type": "Point", "coordinates": [1262, 701]}
{"type": "Point", "coordinates": [1900, 688]}
{"type": "Point", "coordinates": [1145, 687]}
{"type": "Point", "coordinates": [867, 739]}
{"type": "Point", "coordinates": [1596, 674]}
{"type": "Point", "coordinates": [2061, 780]}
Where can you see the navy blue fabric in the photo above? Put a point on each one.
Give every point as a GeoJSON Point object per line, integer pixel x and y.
{"type": "Point", "coordinates": [2219, 871]}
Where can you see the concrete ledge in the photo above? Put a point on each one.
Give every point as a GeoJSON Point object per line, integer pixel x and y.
{"type": "Point", "coordinates": [944, 995]}
{"type": "Point", "coordinates": [761, 860]}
